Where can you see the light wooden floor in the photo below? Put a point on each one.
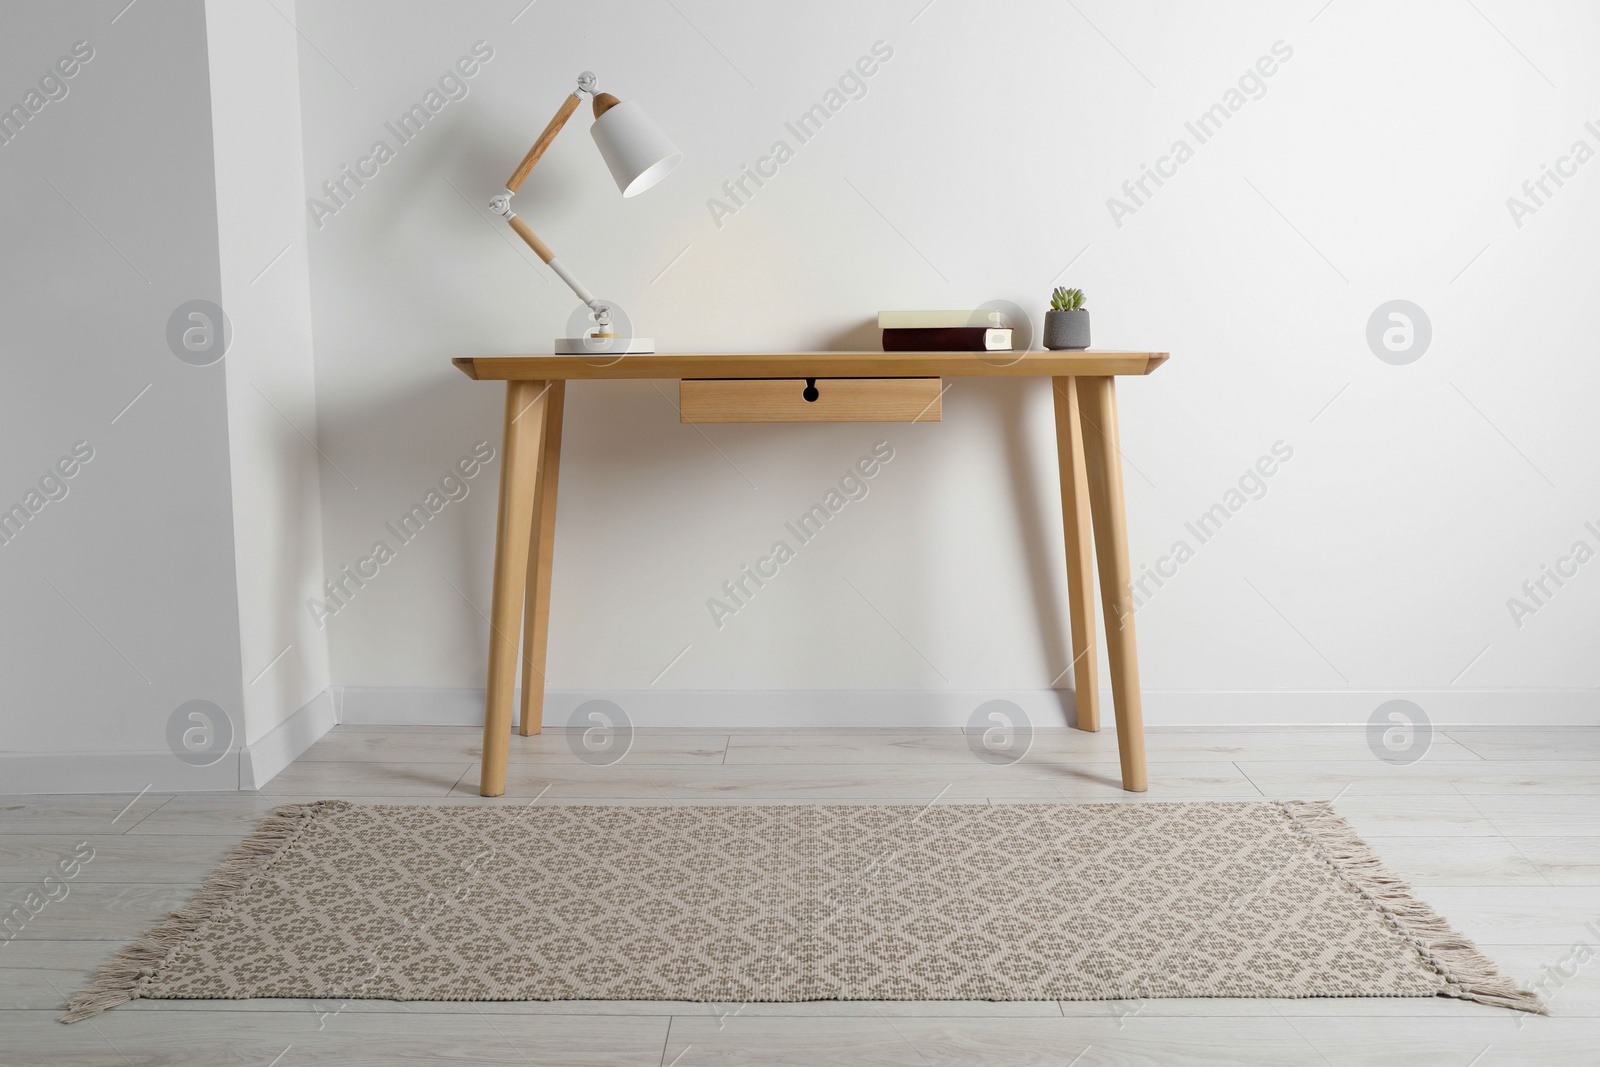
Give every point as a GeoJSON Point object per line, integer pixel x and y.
{"type": "Point", "coordinates": [1500, 828]}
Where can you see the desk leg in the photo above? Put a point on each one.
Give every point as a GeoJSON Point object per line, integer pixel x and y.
{"type": "Point", "coordinates": [541, 554]}
{"type": "Point", "coordinates": [1097, 400]}
{"type": "Point", "coordinates": [1080, 552]}
{"type": "Point", "coordinates": [519, 471]}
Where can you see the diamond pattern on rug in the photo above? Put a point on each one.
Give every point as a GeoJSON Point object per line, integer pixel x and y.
{"type": "Point", "coordinates": [788, 903]}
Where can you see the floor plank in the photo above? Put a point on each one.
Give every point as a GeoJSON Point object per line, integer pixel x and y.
{"type": "Point", "coordinates": [885, 1042]}
{"type": "Point", "coordinates": [903, 782]}
{"type": "Point", "coordinates": [442, 744]}
{"type": "Point", "coordinates": [91, 912]}
{"type": "Point", "coordinates": [1457, 861]}
{"type": "Point", "coordinates": [1412, 814]}
{"type": "Point", "coordinates": [81, 813]}
{"type": "Point", "coordinates": [363, 778]}
{"type": "Point", "coordinates": [1324, 779]}
{"type": "Point", "coordinates": [1505, 1041]}
{"type": "Point", "coordinates": [1563, 860]}
{"type": "Point", "coordinates": [206, 1039]}
{"type": "Point", "coordinates": [1520, 915]}
{"type": "Point", "coordinates": [231, 815]}
{"type": "Point", "coordinates": [1568, 979]}
{"type": "Point", "coordinates": [1528, 742]}
{"type": "Point", "coordinates": [793, 747]}
{"type": "Point", "coordinates": [123, 858]}
{"type": "Point", "coordinates": [1576, 815]}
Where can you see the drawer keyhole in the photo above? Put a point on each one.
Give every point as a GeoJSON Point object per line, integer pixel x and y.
{"type": "Point", "coordinates": [810, 392]}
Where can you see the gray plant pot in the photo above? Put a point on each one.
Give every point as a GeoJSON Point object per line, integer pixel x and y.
{"type": "Point", "coordinates": [1066, 329]}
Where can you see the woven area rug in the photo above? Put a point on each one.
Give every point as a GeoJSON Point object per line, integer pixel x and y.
{"type": "Point", "coordinates": [784, 903]}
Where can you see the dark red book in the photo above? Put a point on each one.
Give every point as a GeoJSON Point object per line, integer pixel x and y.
{"type": "Point", "coordinates": [948, 339]}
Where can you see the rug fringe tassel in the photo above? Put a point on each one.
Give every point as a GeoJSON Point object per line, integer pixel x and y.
{"type": "Point", "coordinates": [125, 976]}
{"type": "Point", "coordinates": [1467, 973]}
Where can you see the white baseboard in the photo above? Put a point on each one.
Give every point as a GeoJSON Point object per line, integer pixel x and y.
{"type": "Point", "coordinates": [253, 766]}
{"type": "Point", "coordinates": [1353, 707]}
{"type": "Point", "coordinates": [247, 767]}
{"type": "Point", "coordinates": [709, 708]}
{"type": "Point", "coordinates": [261, 762]}
{"type": "Point", "coordinates": [727, 708]}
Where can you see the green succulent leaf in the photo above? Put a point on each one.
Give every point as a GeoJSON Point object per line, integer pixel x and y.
{"type": "Point", "coordinates": [1064, 299]}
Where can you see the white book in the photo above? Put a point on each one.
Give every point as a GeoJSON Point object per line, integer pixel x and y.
{"type": "Point", "coordinates": [932, 320]}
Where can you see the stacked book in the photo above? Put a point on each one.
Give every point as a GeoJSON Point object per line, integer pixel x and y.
{"type": "Point", "coordinates": [944, 331]}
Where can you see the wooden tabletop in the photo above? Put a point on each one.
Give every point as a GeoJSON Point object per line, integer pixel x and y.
{"type": "Point", "coordinates": [1090, 362]}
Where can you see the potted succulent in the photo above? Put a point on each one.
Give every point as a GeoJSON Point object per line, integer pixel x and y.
{"type": "Point", "coordinates": [1066, 324]}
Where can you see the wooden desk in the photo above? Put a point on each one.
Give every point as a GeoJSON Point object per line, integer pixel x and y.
{"type": "Point", "coordinates": [1087, 450]}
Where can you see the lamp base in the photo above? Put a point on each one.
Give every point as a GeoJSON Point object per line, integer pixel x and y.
{"type": "Point", "coordinates": [603, 346]}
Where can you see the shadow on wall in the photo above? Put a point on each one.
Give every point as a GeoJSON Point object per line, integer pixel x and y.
{"type": "Point", "coordinates": [1004, 405]}
{"type": "Point", "coordinates": [862, 337]}
{"type": "Point", "coordinates": [1041, 547]}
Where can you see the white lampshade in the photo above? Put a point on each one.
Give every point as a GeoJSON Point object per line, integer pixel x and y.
{"type": "Point", "coordinates": [636, 151]}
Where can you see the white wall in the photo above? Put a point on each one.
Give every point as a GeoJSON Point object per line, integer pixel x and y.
{"type": "Point", "coordinates": [117, 602]}
{"type": "Point", "coordinates": [1376, 166]}
{"type": "Point", "coordinates": [272, 416]}
{"type": "Point", "coordinates": [174, 566]}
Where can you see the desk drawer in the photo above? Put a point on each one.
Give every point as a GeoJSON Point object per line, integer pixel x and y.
{"type": "Point", "coordinates": [784, 400]}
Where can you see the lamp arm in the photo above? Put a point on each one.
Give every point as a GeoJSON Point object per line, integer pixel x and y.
{"type": "Point", "coordinates": [501, 203]}
{"type": "Point", "coordinates": [568, 106]}
{"type": "Point", "coordinates": [542, 250]}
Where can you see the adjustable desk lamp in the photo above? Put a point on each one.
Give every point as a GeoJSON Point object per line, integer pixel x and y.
{"type": "Point", "coordinates": [638, 155]}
